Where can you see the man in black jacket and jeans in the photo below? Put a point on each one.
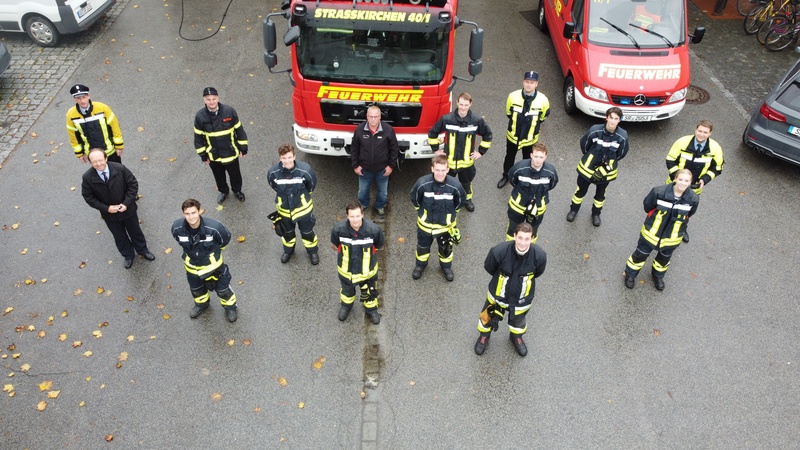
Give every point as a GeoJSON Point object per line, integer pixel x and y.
{"type": "Point", "coordinates": [374, 153]}
{"type": "Point", "coordinates": [111, 188]}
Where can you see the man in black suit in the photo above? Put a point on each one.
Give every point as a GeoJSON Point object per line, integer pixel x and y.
{"type": "Point", "coordinates": [111, 188]}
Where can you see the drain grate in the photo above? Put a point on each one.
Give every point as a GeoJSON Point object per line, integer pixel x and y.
{"type": "Point", "coordinates": [696, 95]}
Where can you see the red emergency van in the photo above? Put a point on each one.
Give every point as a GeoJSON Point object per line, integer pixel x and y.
{"type": "Point", "coordinates": [633, 54]}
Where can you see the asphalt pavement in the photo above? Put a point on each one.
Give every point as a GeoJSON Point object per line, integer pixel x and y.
{"type": "Point", "coordinates": [95, 356]}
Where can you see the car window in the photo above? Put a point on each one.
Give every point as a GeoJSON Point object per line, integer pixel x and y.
{"type": "Point", "coordinates": [790, 97]}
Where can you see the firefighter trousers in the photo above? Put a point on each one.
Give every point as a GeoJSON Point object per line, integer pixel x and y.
{"type": "Point", "coordinates": [219, 281]}
{"type": "Point", "coordinates": [424, 243]}
{"type": "Point", "coordinates": [582, 189]}
{"type": "Point", "coordinates": [347, 294]}
{"type": "Point", "coordinates": [516, 319]}
{"type": "Point", "coordinates": [639, 256]}
{"type": "Point", "coordinates": [306, 226]}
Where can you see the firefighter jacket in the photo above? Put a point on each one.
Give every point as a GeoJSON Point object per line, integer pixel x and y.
{"type": "Point", "coordinates": [437, 203]}
{"type": "Point", "coordinates": [98, 128]}
{"type": "Point", "coordinates": [121, 187]}
{"type": "Point", "coordinates": [524, 123]}
{"type": "Point", "coordinates": [531, 187]}
{"type": "Point", "coordinates": [705, 165]}
{"type": "Point", "coordinates": [666, 219]}
{"type": "Point", "coordinates": [459, 138]}
{"type": "Point", "coordinates": [513, 275]}
{"type": "Point", "coordinates": [219, 136]}
{"type": "Point", "coordinates": [357, 260]}
{"type": "Point", "coordinates": [293, 189]}
{"type": "Point", "coordinates": [602, 152]}
{"type": "Point", "coordinates": [373, 152]}
{"type": "Point", "coordinates": [202, 251]}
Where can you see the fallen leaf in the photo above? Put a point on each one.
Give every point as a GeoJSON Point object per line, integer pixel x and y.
{"type": "Point", "coordinates": [8, 310]}
{"type": "Point", "coordinates": [130, 338]}
{"type": "Point", "coordinates": [24, 251]}
{"type": "Point", "coordinates": [56, 223]}
{"type": "Point", "coordinates": [45, 385]}
{"type": "Point", "coordinates": [42, 405]}
{"type": "Point", "coordinates": [31, 328]}
{"type": "Point", "coordinates": [89, 378]}
{"type": "Point", "coordinates": [88, 353]}
{"type": "Point", "coordinates": [109, 437]}
{"type": "Point", "coordinates": [240, 239]}
{"type": "Point", "coordinates": [246, 341]}
{"type": "Point", "coordinates": [130, 299]}
{"type": "Point", "coordinates": [77, 344]}
{"type": "Point", "coordinates": [77, 292]}
{"type": "Point", "coordinates": [140, 129]}
{"type": "Point", "coordinates": [25, 367]}
{"type": "Point", "coordinates": [318, 363]}
{"type": "Point", "coordinates": [585, 256]}
{"type": "Point", "coordinates": [256, 409]}
{"type": "Point", "coordinates": [64, 313]}
{"type": "Point", "coordinates": [401, 240]}
{"type": "Point", "coordinates": [168, 250]}
{"type": "Point", "coordinates": [15, 226]}
{"type": "Point", "coordinates": [40, 334]}
{"type": "Point", "coordinates": [82, 265]}
{"type": "Point", "coordinates": [29, 282]}
{"type": "Point", "coordinates": [172, 159]}
{"type": "Point", "coordinates": [231, 342]}
{"type": "Point", "coordinates": [282, 382]}
{"type": "Point", "coordinates": [97, 333]}
{"type": "Point", "coordinates": [216, 396]}
{"type": "Point", "coordinates": [363, 394]}
{"type": "Point", "coordinates": [411, 383]}
{"type": "Point", "coordinates": [82, 404]}
{"type": "Point", "coordinates": [160, 306]}
{"type": "Point", "coordinates": [100, 289]}
{"type": "Point", "coordinates": [123, 356]}
{"type": "Point", "coordinates": [166, 316]}
{"type": "Point", "coordinates": [8, 387]}
{"type": "Point", "coordinates": [53, 394]}
{"type": "Point", "coordinates": [657, 332]}
{"type": "Point", "coordinates": [145, 158]}
{"type": "Point", "coordinates": [16, 355]}
{"type": "Point", "coordinates": [301, 405]}
{"type": "Point", "coordinates": [219, 208]}
{"type": "Point", "coordinates": [62, 337]}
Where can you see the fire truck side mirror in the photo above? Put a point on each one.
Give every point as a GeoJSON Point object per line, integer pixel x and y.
{"type": "Point", "coordinates": [475, 68]}
{"type": "Point", "coordinates": [269, 35]}
{"type": "Point", "coordinates": [476, 44]}
{"type": "Point", "coordinates": [698, 34]}
{"type": "Point", "coordinates": [569, 30]}
{"type": "Point", "coordinates": [291, 36]}
{"type": "Point", "coordinates": [270, 59]}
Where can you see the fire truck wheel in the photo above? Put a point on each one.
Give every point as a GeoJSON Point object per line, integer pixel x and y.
{"type": "Point", "coordinates": [569, 95]}
{"type": "Point", "coordinates": [540, 19]}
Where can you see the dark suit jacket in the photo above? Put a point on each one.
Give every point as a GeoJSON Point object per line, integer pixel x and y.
{"type": "Point", "coordinates": [122, 188]}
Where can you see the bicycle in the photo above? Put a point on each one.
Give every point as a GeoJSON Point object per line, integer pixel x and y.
{"type": "Point", "coordinates": [779, 18]}
{"type": "Point", "coordinates": [760, 14]}
{"type": "Point", "coordinates": [782, 36]}
{"type": "Point", "coordinates": [744, 6]}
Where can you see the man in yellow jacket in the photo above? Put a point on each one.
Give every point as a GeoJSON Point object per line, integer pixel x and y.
{"type": "Point", "coordinates": [93, 125]}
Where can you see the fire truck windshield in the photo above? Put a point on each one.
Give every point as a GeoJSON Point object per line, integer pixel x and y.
{"type": "Point", "coordinates": [635, 23]}
{"type": "Point", "coordinates": [372, 56]}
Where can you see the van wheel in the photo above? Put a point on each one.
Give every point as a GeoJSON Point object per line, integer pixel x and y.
{"type": "Point", "coordinates": [42, 31]}
{"type": "Point", "coordinates": [569, 96]}
{"type": "Point", "coordinates": [540, 20]}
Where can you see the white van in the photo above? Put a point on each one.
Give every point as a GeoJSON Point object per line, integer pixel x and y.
{"type": "Point", "coordinates": [46, 20]}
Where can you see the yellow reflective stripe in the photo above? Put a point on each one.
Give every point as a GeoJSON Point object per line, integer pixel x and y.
{"type": "Point", "coordinates": [213, 265]}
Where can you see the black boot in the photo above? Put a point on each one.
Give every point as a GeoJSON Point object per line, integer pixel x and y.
{"type": "Point", "coordinates": [519, 344]}
{"type": "Point", "coordinates": [231, 314]}
{"type": "Point", "coordinates": [197, 309]}
{"type": "Point", "coordinates": [344, 310]}
{"type": "Point", "coordinates": [481, 344]}
{"type": "Point", "coordinates": [373, 315]}
{"type": "Point", "coordinates": [629, 281]}
{"type": "Point", "coordinates": [658, 282]}
{"type": "Point", "coordinates": [417, 273]}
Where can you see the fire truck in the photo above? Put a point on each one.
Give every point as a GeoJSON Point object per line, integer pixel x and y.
{"type": "Point", "coordinates": [347, 55]}
{"type": "Point", "coordinates": [633, 54]}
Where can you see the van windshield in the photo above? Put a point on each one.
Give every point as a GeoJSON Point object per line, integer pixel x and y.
{"type": "Point", "coordinates": [637, 23]}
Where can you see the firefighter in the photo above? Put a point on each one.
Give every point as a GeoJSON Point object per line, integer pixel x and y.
{"type": "Point", "coordinates": [437, 197]}
{"type": "Point", "coordinates": [460, 129]}
{"type": "Point", "coordinates": [668, 208]}
{"type": "Point", "coordinates": [514, 267]}
{"type": "Point", "coordinates": [93, 125]}
{"type": "Point", "coordinates": [293, 182]}
{"type": "Point", "coordinates": [526, 109]}
{"type": "Point", "coordinates": [532, 181]}
{"type": "Point", "coordinates": [603, 147]}
{"type": "Point", "coordinates": [700, 154]}
{"type": "Point", "coordinates": [202, 241]}
{"type": "Point", "coordinates": [220, 140]}
{"type": "Point", "coordinates": [356, 241]}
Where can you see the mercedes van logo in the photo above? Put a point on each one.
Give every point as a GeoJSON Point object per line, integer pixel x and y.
{"type": "Point", "coordinates": [639, 100]}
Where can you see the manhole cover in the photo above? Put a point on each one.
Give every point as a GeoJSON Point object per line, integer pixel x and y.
{"type": "Point", "coordinates": [696, 95]}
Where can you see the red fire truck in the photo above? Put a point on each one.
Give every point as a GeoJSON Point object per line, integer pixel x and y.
{"type": "Point", "coordinates": [350, 54]}
{"type": "Point", "coordinates": [633, 54]}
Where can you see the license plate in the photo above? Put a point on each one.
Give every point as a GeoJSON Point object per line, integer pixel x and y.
{"type": "Point", "coordinates": [83, 11]}
{"type": "Point", "coordinates": [628, 118]}
{"type": "Point", "coordinates": [794, 130]}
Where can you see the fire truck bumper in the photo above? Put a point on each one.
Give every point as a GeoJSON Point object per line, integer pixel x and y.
{"type": "Point", "coordinates": [630, 113]}
{"type": "Point", "coordinates": [337, 143]}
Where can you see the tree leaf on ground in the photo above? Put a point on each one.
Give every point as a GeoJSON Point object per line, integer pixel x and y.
{"type": "Point", "coordinates": [45, 385]}
{"type": "Point", "coordinates": [77, 344]}
{"type": "Point", "coordinates": [282, 382]}
{"type": "Point", "coordinates": [62, 337]}
{"type": "Point", "coordinates": [319, 362]}
{"type": "Point", "coordinates": [216, 396]}
{"type": "Point", "coordinates": [53, 394]}
{"type": "Point", "coordinates": [123, 356]}
{"type": "Point", "coordinates": [42, 405]}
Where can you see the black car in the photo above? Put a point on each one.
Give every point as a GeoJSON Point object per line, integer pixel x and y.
{"type": "Point", "coordinates": [775, 128]}
{"type": "Point", "coordinates": [5, 58]}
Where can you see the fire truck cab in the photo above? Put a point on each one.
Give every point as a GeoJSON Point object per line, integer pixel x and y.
{"type": "Point", "coordinates": [632, 54]}
{"type": "Point", "coordinates": [347, 55]}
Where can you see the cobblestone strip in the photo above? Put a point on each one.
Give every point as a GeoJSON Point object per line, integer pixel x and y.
{"type": "Point", "coordinates": [37, 75]}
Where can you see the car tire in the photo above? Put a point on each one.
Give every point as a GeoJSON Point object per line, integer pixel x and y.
{"type": "Point", "coordinates": [42, 31]}
{"type": "Point", "coordinates": [541, 23]}
{"type": "Point", "coordinates": [569, 95]}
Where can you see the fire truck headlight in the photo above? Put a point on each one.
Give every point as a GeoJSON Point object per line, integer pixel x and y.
{"type": "Point", "coordinates": [304, 136]}
{"type": "Point", "coordinates": [595, 92]}
{"type": "Point", "coordinates": [678, 96]}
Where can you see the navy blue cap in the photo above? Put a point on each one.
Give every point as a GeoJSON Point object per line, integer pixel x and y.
{"type": "Point", "coordinates": [532, 75]}
{"type": "Point", "coordinates": [209, 91]}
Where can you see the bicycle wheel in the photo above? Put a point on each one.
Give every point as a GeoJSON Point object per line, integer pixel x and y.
{"type": "Point", "coordinates": [778, 20]}
{"type": "Point", "coordinates": [754, 19]}
{"type": "Point", "coordinates": [778, 40]}
{"type": "Point", "coordinates": [744, 6]}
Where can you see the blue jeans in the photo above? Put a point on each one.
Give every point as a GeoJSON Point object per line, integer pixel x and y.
{"type": "Point", "coordinates": [365, 183]}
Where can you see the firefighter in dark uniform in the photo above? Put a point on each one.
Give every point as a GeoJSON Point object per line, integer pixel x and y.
{"type": "Point", "coordinates": [202, 241]}
{"type": "Point", "coordinates": [526, 109]}
{"type": "Point", "coordinates": [668, 207]}
{"type": "Point", "coordinates": [437, 198]}
{"type": "Point", "coordinates": [514, 267]}
{"type": "Point", "coordinates": [293, 182]}
{"type": "Point", "coordinates": [603, 147]}
{"type": "Point", "coordinates": [356, 241]}
{"type": "Point", "coordinates": [700, 154]}
{"type": "Point", "coordinates": [532, 180]}
{"type": "Point", "coordinates": [93, 125]}
{"type": "Point", "coordinates": [460, 129]}
{"type": "Point", "coordinates": [220, 140]}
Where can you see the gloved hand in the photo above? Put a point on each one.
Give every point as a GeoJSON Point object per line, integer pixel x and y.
{"type": "Point", "coordinates": [455, 234]}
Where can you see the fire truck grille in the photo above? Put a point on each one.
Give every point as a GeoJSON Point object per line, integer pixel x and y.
{"type": "Point", "coordinates": [638, 100]}
{"type": "Point", "coordinates": [350, 113]}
